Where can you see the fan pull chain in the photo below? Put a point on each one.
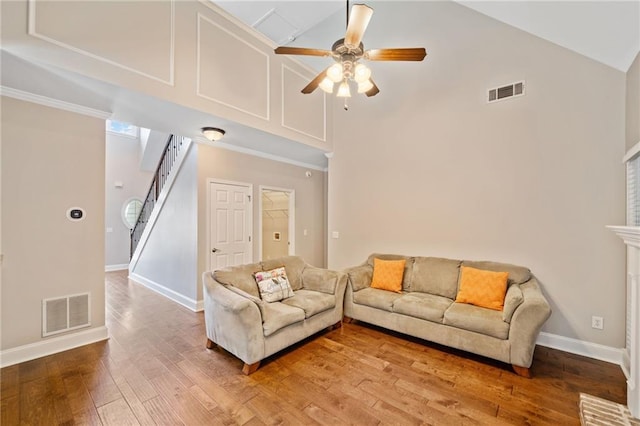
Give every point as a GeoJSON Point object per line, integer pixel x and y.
{"type": "Point", "coordinates": [346, 107]}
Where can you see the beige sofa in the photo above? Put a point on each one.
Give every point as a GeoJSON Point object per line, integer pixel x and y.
{"type": "Point", "coordinates": [426, 308]}
{"type": "Point", "coordinates": [238, 320]}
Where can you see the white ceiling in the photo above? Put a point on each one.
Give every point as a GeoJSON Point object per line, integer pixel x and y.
{"type": "Point", "coordinates": [606, 31]}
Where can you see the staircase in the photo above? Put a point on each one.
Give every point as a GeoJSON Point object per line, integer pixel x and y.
{"type": "Point", "coordinates": [168, 166]}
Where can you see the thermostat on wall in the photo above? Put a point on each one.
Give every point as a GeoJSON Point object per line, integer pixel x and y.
{"type": "Point", "coordinates": [75, 214]}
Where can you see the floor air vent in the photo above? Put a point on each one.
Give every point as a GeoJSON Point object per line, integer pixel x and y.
{"type": "Point", "coordinates": [65, 313]}
{"type": "Point", "coordinates": [505, 92]}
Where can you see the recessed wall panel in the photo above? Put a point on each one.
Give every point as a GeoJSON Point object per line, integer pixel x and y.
{"type": "Point", "coordinates": [133, 35]}
{"type": "Point", "coordinates": [302, 113]}
{"type": "Point", "coordinates": [232, 71]}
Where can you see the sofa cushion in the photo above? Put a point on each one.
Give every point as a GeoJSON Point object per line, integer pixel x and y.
{"type": "Point", "coordinates": [360, 276]}
{"type": "Point", "coordinates": [273, 285]}
{"type": "Point", "coordinates": [477, 319]}
{"type": "Point", "coordinates": [375, 298]}
{"type": "Point", "coordinates": [294, 266]}
{"type": "Point", "coordinates": [241, 277]}
{"type": "Point", "coordinates": [311, 302]}
{"type": "Point", "coordinates": [387, 274]}
{"type": "Point", "coordinates": [517, 274]}
{"type": "Point", "coordinates": [512, 300]}
{"type": "Point", "coordinates": [482, 288]}
{"type": "Point", "coordinates": [422, 305]}
{"type": "Point", "coordinates": [408, 267]}
{"type": "Point", "coordinates": [277, 315]}
{"type": "Point", "coordinates": [435, 275]}
{"type": "Point", "coordinates": [319, 279]}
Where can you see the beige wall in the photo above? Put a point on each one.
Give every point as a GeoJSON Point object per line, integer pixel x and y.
{"type": "Point", "coordinates": [122, 165]}
{"type": "Point", "coordinates": [233, 166]}
{"type": "Point", "coordinates": [633, 103]}
{"type": "Point", "coordinates": [427, 167]}
{"type": "Point", "coordinates": [51, 160]}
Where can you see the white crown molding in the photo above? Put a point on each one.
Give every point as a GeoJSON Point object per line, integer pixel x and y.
{"type": "Point", "coordinates": [629, 234]}
{"type": "Point", "coordinates": [631, 153]}
{"type": "Point", "coordinates": [187, 302]}
{"type": "Point", "coordinates": [52, 345]}
{"type": "Point", "coordinates": [10, 92]}
{"type": "Point", "coordinates": [255, 153]}
{"type": "Point", "coordinates": [580, 347]}
{"type": "Point", "coordinates": [117, 267]}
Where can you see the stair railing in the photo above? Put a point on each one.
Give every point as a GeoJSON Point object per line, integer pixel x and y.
{"type": "Point", "coordinates": [171, 151]}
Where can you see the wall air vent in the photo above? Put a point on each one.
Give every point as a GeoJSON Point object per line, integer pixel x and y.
{"type": "Point", "coordinates": [65, 313]}
{"type": "Point", "coordinates": [505, 92]}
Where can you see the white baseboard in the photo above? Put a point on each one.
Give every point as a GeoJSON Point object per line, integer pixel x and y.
{"type": "Point", "coordinates": [187, 302]}
{"type": "Point", "coordinates": [52, 345]}
{"type": "Point", "coordinates": [118, 267]}
{"type": "Point", "coordinates": [580, 347]}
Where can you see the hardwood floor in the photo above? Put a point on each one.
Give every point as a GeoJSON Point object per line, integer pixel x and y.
{"type": "Point", "coordinates": [155, 369]}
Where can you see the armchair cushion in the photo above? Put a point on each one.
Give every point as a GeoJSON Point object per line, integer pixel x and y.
{"type": "Point", "coordinates": [278, 315]}
{"type": "Point", "coordinates": [311, 302]}
{"type": "Point", "coordinates": [474, 318]}
{"type": "Point", "coordinates": [380, 299]}
{"type": "Point", "coordinates": [241, 277]}
{"type": "Point", "coordinates": [422, 305]}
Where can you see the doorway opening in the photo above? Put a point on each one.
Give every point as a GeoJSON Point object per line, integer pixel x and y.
{"type": "Point", "coordinates": [277, 222]}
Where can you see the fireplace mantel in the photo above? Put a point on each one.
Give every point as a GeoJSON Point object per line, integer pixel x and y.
{"type": "Point", "coordinates": [631, 355]}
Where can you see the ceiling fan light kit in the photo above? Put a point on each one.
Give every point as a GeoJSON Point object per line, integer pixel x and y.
{"type": "Point", "coordinates": [347, 52]}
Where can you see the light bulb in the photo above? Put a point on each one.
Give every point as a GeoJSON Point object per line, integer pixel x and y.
{"type": "Point", "coordinates": [365, 86]}
{"type": "Point", "coordinates": [335, 73]}
{"type": "Point", "coordinates": [327, 85]}
{"type": "Point", "coordinates": [343, 90]}
{"type": "Point", "coordinates": [362, 73]}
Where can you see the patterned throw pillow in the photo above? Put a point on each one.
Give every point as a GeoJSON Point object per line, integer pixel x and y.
{"type": "Point", "coordinates": [387, 274]}
{"type": "Point", "coordinates": [273, 285]}
{"type": "Point", "coordinates": [482, 288]}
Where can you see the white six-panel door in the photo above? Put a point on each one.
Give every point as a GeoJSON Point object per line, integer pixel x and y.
{"type": "Point", "coordinates": [230, 224]}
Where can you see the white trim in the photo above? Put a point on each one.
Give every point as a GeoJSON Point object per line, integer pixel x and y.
{"type": "Point", "coordinates": [268, 69]}
{"type": "Point", "coordinates": [629, 234]}
{"type": "Point", "coordinates": [260, 154]}
{"type": "Point", "coordinates": [177, 165]}
{"type": "Point", "coordinates": [187, 302]}
{"type": "Point", "coordinates": [324, 108]}
{"type": "Point", "coordinates": [580, 347]}
{"type": "Point", "coordinates": [249, 186]}
{"type": "Point", "coordinates": [291, 249]}
{"type": "Point", "coordinates": [52, 345]}
{"type": "Point", "coordinates": [632, 152]}
{"type": "Point", "coordinates": [116, 267]}
{"type": "Point", "coordinates": [33, 32]}
{"type": "Point", "coordinates": [53, 103]}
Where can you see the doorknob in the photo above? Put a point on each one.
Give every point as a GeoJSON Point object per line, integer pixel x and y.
{"type": "Point", "coordinates": [215, 250]}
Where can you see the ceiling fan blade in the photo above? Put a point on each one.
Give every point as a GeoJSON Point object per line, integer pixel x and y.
{"type": "Point", "coordinates": [400, 54]}
{"type": "Point", "coordinates": [373, 91]}
{"type": "Point", "coordinates": [358, 22]}
{"type": "Point", "coordinates": [313, 85]}
{"type": "Point", "coordinates": [286, 50]}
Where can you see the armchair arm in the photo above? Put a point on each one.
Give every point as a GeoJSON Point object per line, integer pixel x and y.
{"type": "Point", "coordinates": [526, 323]}
{"type": "Point", "coordinates": [318, 279]}
{"type": "Point", "coordinates": [359, 277]}
{"type": "Point", "coordinates": [232, 321]}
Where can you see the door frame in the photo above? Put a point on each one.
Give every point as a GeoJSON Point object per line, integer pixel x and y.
{"type": "Point", "coordinates": [208, 208]}
{"type": "Point", "coordinates": [292, 217]}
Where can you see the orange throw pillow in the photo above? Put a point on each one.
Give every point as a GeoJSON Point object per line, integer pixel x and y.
{"type": "Point", "coordinates": [482, 288]}
{"type": "Point", "coordinates": [387, 274]}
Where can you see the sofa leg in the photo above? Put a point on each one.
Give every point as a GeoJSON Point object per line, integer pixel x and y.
{"type": "Point", "coordinates": [210, 344]}
{"type": "Point", "coordinates": [522, 371]}
{"type": "Point", "coordinates": [347, 320]}
{"type": "Point", "coordinates": [250, 368]}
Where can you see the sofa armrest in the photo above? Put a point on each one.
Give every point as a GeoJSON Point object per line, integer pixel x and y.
{"type": "Point", "coordinates": [319, 279]}
{"type": "Point", "coordinates": [233, 321]}
{"type": "Point", "coordinates": [526, 323]}
{"type": "Point", "coordinates": [359, 276]}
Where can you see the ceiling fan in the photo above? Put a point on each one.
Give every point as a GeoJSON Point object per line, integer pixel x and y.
{"type": "Point", "coordinates": [347, 52]}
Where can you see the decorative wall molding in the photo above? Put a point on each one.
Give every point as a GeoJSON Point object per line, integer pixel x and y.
{"type": "Point", "coordinates": [53, 103]}
{"type": "Point", "coordinates": [632, 152]}
{"type": "Point", "coordinates": [52, 345]}
{"type": "Point", "coordinates": [187, 302]}
{"type": "Point", "coordinates": [580, 347]}
{"type": "Point", "coordinates": [324, 107]}
{"type": "Point", "coordinates": [118, 267]}
{"type": "Point", "coordinates": [32, 31]}
{"type": "Point", "coordinates": [199, 93]}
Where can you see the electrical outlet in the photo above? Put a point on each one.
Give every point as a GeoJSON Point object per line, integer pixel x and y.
{"type": "Point", "coordinates": [597, 322]}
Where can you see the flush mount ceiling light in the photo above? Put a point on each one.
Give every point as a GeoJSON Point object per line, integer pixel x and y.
{"type": "Point", "coordinates": [213, 133]}
{"type": "Point", "coordinates": [348, 52]}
